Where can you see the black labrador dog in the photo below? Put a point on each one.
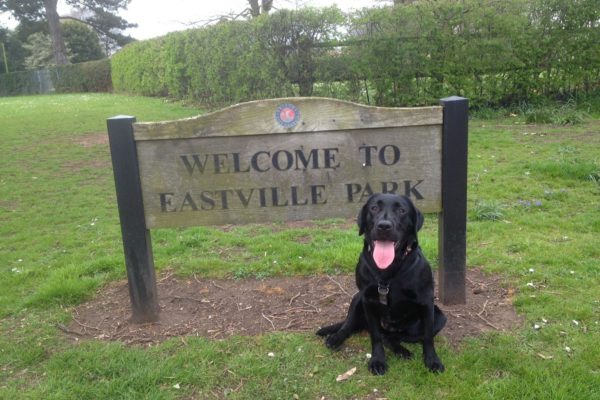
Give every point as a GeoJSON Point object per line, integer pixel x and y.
{"type": "Point", "coordinates": [395, 282]}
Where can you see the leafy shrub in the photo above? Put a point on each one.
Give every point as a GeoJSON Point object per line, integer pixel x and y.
{"type": "Point", "coordinates": [217, 64]}
{"type": "Point", "coordinates": [15, 83]}
{"type": "Point", "coordinates": [92, 76]}
{"type": "Point", "coordinates": [495, 53]}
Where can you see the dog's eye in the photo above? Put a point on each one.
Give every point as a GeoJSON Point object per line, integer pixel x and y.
{"type": "Point", "coordinates": [374, 208]}
{"type": "Point", "coordinates": [401, 211]}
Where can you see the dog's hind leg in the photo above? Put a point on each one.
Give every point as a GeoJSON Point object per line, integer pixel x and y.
{"type": "Point", "coordinates": [439, 320]}
{"type": "Point", "coordinates": [338, 333]}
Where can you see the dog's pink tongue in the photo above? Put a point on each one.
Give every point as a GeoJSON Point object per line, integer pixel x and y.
{"type": "Point", "coordinates": [383, 253]}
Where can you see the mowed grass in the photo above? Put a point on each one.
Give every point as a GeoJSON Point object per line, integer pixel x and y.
{"type": "Point", "coordinates": [534, 219]}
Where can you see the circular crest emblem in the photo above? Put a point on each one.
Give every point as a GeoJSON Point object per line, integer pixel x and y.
{"type": "Point", "coordinates": [287, 115]}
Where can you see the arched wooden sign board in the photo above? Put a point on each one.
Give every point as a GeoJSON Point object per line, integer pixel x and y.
{"type": "Point", "coordinates": [284, 160]}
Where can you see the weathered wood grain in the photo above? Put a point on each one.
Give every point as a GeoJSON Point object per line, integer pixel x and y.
{"type": "Point", "coordinates": [316, 114]}
{"type": "Point", "coordinates": [294, 176]}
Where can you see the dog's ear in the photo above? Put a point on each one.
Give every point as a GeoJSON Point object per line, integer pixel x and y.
{"type": "Point", "coordinates": [361, 220]}
{"type": "Point", "coordinates": [417, 219]}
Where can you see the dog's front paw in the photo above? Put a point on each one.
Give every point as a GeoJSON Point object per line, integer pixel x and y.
{"type": "Point", "coordinates": [335, 341]}
{"type": "Point", "coordinates": [434, 364]}
{"type": "Point", "coordinates": [377, 367]}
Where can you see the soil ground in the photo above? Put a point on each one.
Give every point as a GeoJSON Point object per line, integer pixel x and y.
{"type": "Point", "coordinates": [218, 308]}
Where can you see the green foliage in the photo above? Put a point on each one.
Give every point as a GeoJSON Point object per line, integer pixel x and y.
{"type": "Point", "coordinates": [92, 76]}
{"type": "Point", "coordinates": [102, 15]}
{"type": "Point", "coordinates": [495, 53]}
{"type": "Point", "coordinates": [218, 64]}
{"type": "Point", "coordinates": [82, 43]}
{"type": "Point", "coordinates": [293, 36]}
{"type": "Point", "coordinates": [14, 50]}
{"type": "Point", "coordinates": [39, 47]}
{"type": "Point", "coordinates": [141, 67]}
{"type": "Point", "coordinates": [559, 114]}
{"type": "Point", "coordinates": [231, 61]}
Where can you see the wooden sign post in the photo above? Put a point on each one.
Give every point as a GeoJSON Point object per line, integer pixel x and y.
{"type": "Point", "coordinates": [285, 160]}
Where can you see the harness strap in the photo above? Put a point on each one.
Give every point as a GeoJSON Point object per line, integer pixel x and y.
{"type": "Point", "coordinates": [383, 289]}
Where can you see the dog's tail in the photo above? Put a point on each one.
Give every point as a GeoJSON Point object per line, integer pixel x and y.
{"type": "Point", "coordinates": [329, 329]}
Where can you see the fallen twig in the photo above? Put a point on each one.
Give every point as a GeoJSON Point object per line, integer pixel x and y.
{"type": "Point", "coordinates": [339, 285]}
{"type": "Point", "coordinates": [311, 305]}
{"type": "Point", "coordinates": [489, 323]}
{"type": "Point", "coordinates": [86, 326]}
{"type": "Point", "coordinates": [265, 317]}
{"type": "Point", "coordinates": [294, 298]}
{"type": "Point", "coordinates": [216, 285]}
{"type": "Point", "coordinates": [167, 276]}
{"type": "Point", "coordinates": [483, 308]}
{"type": "Point", "coordinates": [291, 323]}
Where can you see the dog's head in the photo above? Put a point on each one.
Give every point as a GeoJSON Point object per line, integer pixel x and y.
{"type": "Point", "coordinates": [389, 223]}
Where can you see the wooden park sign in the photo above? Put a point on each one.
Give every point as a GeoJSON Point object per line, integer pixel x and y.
{"type": "Point", "coordinates": [285, 160]}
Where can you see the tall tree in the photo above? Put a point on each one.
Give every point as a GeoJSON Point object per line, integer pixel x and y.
{"type": "Point", "coordinates": [82, 42]}
{"type": "Point", "coordinates": [59, 50]}
{"type": "Point", "coordinates": [101, 15]}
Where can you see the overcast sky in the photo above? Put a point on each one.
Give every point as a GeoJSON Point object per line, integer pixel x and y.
{"type": "Point", "coordinates": [158, 17]}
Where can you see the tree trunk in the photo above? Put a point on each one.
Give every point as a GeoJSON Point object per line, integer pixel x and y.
{"type": "Point", "coordinates": [266, 6]}
{"type": "Point", "coordinates": [257, 8]}
{"type": "Point", "coordinates": [254, 8]}
{"type": "Point", "coordinates": [58, 42]}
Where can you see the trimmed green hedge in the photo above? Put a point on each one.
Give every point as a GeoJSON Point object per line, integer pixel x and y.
{"type": "Point", "coordinates": [493, 52]}
{"type": "Point", "coordinates": [224, 63]}
{"type": "Point", "coordinates": [92, 76]}
{"type": "Point", "coordinates": [231, 61]}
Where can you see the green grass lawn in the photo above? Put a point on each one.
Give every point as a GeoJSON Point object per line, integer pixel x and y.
{"type": "Point", "coordinates": [534, 219]}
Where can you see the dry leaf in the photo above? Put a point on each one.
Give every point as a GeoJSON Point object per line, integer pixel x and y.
{"type": "Point", "coordinates": [346, 375]}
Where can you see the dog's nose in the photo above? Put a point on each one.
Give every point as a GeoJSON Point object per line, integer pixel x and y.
{"type": "Point", "coordinates": [384, 225]}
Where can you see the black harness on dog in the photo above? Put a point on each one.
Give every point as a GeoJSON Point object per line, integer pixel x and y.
{"type": "Point", "coordinates": [383, 286]}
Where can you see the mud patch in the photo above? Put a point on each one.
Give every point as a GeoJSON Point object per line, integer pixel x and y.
{"type": "Point", "coordinates": [219, 308]}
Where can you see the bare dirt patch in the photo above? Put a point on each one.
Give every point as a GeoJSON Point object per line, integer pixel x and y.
{"type": "Point", "coordinates": [93, 139]}
{"type": "Point", "coordinates": [218, 308]}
